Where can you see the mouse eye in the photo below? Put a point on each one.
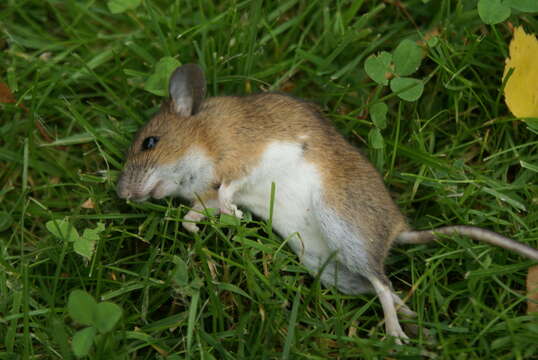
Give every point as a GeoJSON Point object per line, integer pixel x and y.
{"type": "Point", "coordinates": [150, 142]}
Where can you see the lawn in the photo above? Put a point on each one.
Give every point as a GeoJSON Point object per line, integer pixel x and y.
{"type": "Point", "coordinates": [85, 79]}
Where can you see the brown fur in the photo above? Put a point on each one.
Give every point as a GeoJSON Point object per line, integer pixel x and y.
{"type": "Point", "coordinates": [235, 131]}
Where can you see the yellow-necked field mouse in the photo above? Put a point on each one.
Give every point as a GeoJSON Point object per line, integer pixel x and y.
{"type": "Point", "coordinates": [225, 152]}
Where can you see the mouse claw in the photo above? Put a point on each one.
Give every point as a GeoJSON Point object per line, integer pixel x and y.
{"type": "Point", "coordinates": [400, 338]}
{"type": "Point", "coordinates": [190, 227]}
{"type": "Point", "coordinates": [189, 220]}
{"type": "Point", "coordinates": [231, 209]}
{"type": "Point", "coordinates": [226, 194]}
{"type": "Point", "coordinates": [415, 331]}
{"type": "Point", "coordinates": [238, 213]}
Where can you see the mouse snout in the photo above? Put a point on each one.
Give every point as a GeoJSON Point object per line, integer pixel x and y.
{"type": "Point", "coordinates": [123, 191]}
{"type": "Point", "coordinates": [127, 193]}
{"type": "Point", "coordinates": [131, 189]}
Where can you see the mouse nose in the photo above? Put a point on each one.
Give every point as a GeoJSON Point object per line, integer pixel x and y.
{"type": "Point", "coordinates": [130, 193]}
{"type": "Point", "coordinates": [122, 189]}
{"type": "Point", "coordinates": [123, 193]}
{"type": "Point", "coordinates": [130, 189]}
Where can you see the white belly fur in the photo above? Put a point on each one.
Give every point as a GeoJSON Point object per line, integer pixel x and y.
{"type": "Point", "coordinates": [299, 213]}
{"type": "Point", "coordinates": [297, 189]}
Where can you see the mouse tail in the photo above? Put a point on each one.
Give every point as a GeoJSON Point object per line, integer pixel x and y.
{"type": "Point", "coordinates": [487, 236]}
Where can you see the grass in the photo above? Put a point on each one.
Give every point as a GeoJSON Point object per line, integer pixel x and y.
{"type": "Point", "coordinates": [234, 291]}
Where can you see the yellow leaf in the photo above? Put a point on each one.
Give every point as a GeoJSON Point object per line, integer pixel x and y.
{"type": "Point", "coordinates": [521, 90]}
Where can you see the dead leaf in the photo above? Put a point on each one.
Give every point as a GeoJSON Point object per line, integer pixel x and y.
{"type": "Point", "coordinates": [45, 56]}
{"type": "Point", "coordinates": [44, 134]}
{"type": "Point", "coordinates": [6, 96]}
{"type": "Point", "coordinates": [429, 35]}
{"type": "Point", "coordinates": [88, 204]}
{"type": "Point", "coordinates": [521, 88]}
{"type": "Point", "coordinates": [161, 351]}
{"type": "Point", "coordinates": [287, 87]}
{"type": "Point", "coordinates": [213, 269]}
{"type": "Point", "coordinates": [352, 331]}
{"type": "Point", "coordinates": [329, 343]}
{"type": "Point", "coordinates": [532, 290]}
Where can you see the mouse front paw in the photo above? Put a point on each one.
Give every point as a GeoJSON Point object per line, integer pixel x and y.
{"type": "Point", "coordinates": [238, 213]}
{"type": "Point", "coordinates": [226, 195]}
{"type": "Point", "coordinates": [190, 227]}
{"type": "Point", "coordinates": [231, 209]}
{"type": "Point", "coordinates": [189, 220]}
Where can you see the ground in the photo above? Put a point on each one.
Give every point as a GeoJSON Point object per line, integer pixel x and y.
{"type": "Point", "coordinates": [80, 76]}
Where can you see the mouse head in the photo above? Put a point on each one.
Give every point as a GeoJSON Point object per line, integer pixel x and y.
{"type": "Point", "coordinates": [163, 159]}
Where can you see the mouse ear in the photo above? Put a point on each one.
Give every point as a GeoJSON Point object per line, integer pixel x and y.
{"type": "Point", "coordinates": [187, 89]}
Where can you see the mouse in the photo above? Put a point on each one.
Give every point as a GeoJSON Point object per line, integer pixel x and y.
{"type": "Point", "coordinates": [227, 152]}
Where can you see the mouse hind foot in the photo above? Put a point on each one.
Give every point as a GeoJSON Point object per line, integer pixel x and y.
{"type": "Point", "coordinates": [388, 302]}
